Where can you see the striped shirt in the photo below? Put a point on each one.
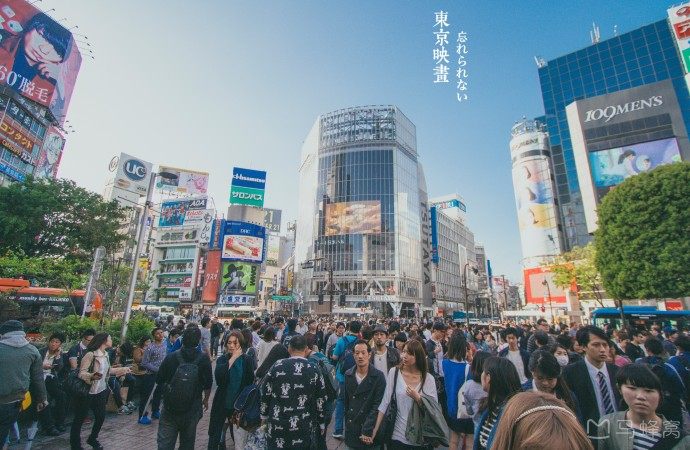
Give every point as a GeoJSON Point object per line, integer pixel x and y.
{"type": "Point", "coordinates": [644, 440]}
{"type": "Point", "coordinates": [486, 429]}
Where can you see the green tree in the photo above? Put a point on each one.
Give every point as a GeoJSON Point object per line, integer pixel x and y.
{"type": "Point", "coordinates": [578, 265]}
{"type": "Point", "coordinates": [56, 218]}
{"type": "Point", "coordinates": [56, 272]}
{"type": "Point", "coordinates": [643, 240]}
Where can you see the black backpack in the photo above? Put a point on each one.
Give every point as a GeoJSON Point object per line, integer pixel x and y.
{"type": "Point", "coordinates": [183, 388]}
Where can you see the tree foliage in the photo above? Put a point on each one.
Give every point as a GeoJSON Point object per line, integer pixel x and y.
{"type": "Point", "coordinates": [44, 271]}
{"type": "Point", "coordinates": [56, 218]}
{"type": "Point", "coordinates": [643, 240]}
{"type": "Point", "coordinates": [578, 266]}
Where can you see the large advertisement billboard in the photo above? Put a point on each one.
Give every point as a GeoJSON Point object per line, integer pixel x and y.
{"type": "Point", "coordinates": [39, 58]}
{"type": "Point", "coordinates": [610, 167]}
{"type": "Point", "coordinates": [353, 218]}
{"type": "Point", "coordinates": [188, 182]}
{"type": "Point", "coordinates": [536, 280]}
{"type": "Point", "coordinates": [209, 294]}
{"type": "Point", "coordinates": [273, 251]}
{"type": "Point", "coordinates": [272, 219]}
{"type": "Point", "coordinates": [238, 277]}
{"type": "Point", "coordinates": [51, 153]}
{"type": "Point", "coordinates": [243, 242]}
{"type": "Point", "coordinates": [133, 174]}
{"type": "Point", "coordinates": [247, 187]}
{"type": "Point", "coordinates": [176, 213]}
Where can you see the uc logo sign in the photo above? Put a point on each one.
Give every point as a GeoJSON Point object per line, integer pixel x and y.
{"type": "Point", "coordinates": [135, 170]}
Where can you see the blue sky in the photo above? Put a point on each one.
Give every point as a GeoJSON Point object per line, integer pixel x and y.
{"type": "Point", "coordinates": [214, 84]}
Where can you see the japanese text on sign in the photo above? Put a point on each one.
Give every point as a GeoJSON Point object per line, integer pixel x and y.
{"type": "Point", "coordinates": [440, 53]}
{"type": "Point", "coordinates": [16, 136]}
{"type": "Point", "coordinates": [461, 73]}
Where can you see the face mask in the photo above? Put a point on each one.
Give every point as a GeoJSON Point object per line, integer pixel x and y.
{"type": "Point", "coordinates": [562, 360]}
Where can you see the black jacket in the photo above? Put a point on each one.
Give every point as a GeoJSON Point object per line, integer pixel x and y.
{"type": "Point", "coordinates": [577, 377]}
{"type": "Point", "coordinates": [633, 351]}
{"type": "Point", "coordinates": [277, 352]}
{"type": "Point", "coordinates": [525, 360]}
{"type": "Point", "coordinates": [361, 405]}
{"type": "Point", "coordinates": [392, 357]}
{"type": "Point", "coordinates": [430, 347]}
{"type": "Point", "coordinates": [218, 411]}
{"type": "Point", "coordinates": [171, 363]}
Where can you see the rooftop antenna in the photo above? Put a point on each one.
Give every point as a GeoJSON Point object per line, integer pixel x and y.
{"type": "Point", "coordinates": [540, 61]}
{"type": "Point", "coordinates": [594, 34]}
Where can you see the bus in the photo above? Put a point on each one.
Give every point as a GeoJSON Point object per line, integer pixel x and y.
{"type": "Point", "coordinates": [641, 316]}
{"type": "Point", "coordinates": [37, 304]}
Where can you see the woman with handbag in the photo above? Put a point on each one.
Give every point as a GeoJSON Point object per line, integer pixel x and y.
{"type": "Point", "coordinates": [94, 372]}
{"type": "Point", "coordinates": [234, 372]}
{"type": "Point", "coordinates": [404, 386]}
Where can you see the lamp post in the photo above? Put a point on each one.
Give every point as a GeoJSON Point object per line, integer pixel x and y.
{"type": "Point", "coordinates": [548, 290]}
{"type": "Point", "coordinates": [140, 243]}
{"type": "Point", "coordinates": [464, 283]}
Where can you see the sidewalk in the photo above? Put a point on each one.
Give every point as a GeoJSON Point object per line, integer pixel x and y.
{"type": "Point", "coordinates": [122, 432]}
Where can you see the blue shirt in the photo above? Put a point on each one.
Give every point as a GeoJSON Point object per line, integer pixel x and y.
{"type": "Point", "coordinates": [454, 378]}
{"type": "Point", "coordinates": [174, 346]}
{"type": "Point", "coordinates": [339, 349]}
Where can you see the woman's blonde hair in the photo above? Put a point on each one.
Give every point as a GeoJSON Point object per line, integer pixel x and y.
{"type": "Point", "coordinates": [535, 421]}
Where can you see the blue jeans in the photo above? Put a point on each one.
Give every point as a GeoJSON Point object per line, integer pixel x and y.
{"type": "Point", "coordinates": [339, 409]}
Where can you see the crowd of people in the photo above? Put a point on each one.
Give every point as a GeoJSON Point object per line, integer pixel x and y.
{"type": "Point", "coordinates": [394, 384]}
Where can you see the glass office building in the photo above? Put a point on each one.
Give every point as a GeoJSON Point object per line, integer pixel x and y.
{"type": "Point", "coordinates": [640, 57]}
{"type": "Point", "coordinates": [360, 213]}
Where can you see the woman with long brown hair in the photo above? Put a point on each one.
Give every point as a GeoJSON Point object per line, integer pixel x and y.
{"type": "Point", "coordinates": [539, 421]}
{"type": "Point", "coordinates": [404, 385]}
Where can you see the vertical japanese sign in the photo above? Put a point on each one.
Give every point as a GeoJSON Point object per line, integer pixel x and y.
{"type": "Point", "coordinates": [461, 73]}
{"type": "Point", "coordinates": [440, 53]}
{"type": "Point", "coordinates": [212, 277]}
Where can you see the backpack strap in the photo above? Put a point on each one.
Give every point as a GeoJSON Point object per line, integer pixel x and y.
{"type": "Point", "coordinates": [395, 385]}
{"type": "Point", "coordinates": [677, 374]}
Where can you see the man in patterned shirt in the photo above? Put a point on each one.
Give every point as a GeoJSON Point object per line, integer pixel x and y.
{"type": "Point", "coordinates": [292, 400]}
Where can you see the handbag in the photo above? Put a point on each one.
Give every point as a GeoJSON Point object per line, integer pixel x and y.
{"type": "Point", "coordinates": [465, 410]}
{"type": "Point", "coordinates": [75, 385]}
{"type": "Point", "coordinates": [385, 431]}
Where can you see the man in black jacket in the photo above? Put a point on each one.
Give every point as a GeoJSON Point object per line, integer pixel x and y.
{"type": "Point", "coordinates": [53, 418]}
{"type": "Point", "coordinates": [383, 357]}
{"type": "Point", "coordinates": [183, 420]}
{"type": "Point", "coordinates": [364, 388]}
{"type": "Point", "coordinates": [593, 380]}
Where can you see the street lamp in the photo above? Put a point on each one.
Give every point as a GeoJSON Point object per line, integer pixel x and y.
{"type": "Point", "coordinates": [140, 243]}
{"type": "Point", "coordinates": [464, 283]}
{"type": "Point", "coordinates": [548, 290]}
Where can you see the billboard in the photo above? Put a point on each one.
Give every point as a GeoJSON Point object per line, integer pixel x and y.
{"type": "Point", "coordinates": [238, 277]}
{"type": "Point", "coordinates": [247, 187]}
{"type": "Point", "coordinates": [610, 167]}
{"type": "Point", "coordinates": [39, 58]}
{"type": "Point", "coordinates": [535, 290]}
{"type": "Point", "coordinates": [180, 212]}
{"type": "Point", "coordinates": [51, 153]}
{"type": "Point", "coordinates": [434, 234]}
{"type": "Point", "coordinates": [235, 300]}
{"type": "Point", "coordinates": [272, 219]}
{"type": "Point", "coordinates": [209, 294]}
{"type": "Point", "coordinates": [243, 242]}
{"type": "Point", "coordinates": [179, 236]}
{"type": "Point", "coordinates": [273, 251]}
{"type": "Point", "coordinates": [187, 182]}
{"type": "Point", "coordinates": [133, 174]}
{"type": "Point", "coordinates": [353, 218]}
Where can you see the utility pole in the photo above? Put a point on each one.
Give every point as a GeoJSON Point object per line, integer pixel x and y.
{"type": "Point", "coordinates": [93, 278]}
{"type": "Point", "coordinates": [330, 286]}
{"type": "Point", "coordinates": [505, 293]}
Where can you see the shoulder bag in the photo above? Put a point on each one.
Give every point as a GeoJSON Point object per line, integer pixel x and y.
{"type": "Point", "coordinates": [385, 432]}
{"type": "Point", "coordinates": [75, 385]}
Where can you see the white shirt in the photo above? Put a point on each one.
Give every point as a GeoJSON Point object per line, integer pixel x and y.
{"type": "Point", "coordinates": [516, 359]}
{"type": "Point", "coordinates": [404, 401]}
{"type": "Point", "coordinates": [427, 334]}
{"type": "Point", "coordinates": [438, 365]}
{"type": "Point", "coordinates": [593, 375]}
{"type": "Point", "coordinates": [380, 361]}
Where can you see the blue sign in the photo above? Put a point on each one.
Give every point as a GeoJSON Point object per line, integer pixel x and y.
{"type": "Point", "coordinates": [455, 203]}
{"type": "Point", "coordinates": [255, 179]}
{"type": "Point", "coordinates": [434, 236]}
{"type": "Point", "coordinates": [490, 273]}
{"type": "Point", "coordinates": [244, 229]}
{"type": "Point", "coordinates": [12, 172]}
{"type": "Point", "coordinates": [135, 169]}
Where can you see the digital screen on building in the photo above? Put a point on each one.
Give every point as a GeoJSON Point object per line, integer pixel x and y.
{"type": "Point", "coordinates": [238, 277]}
{"type": "Point", "coordinates": [39, 58]}
{"type": "Point", "coordinates": [610, 167]}
{"type": "Point", "coordinates": [353, 218]}
{"type": "Point", "coordinates": [243, 248]}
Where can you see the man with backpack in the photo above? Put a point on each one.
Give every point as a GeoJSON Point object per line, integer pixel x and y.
{"type": "Point", "coordinates": [343, 355]}
{"type": "Point", "coordinates": [183, 376]}
{"type": "Point", "coordinates": [292, 399]}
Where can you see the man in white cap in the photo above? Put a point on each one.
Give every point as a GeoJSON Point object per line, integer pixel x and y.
{"type": "Point", "coordinates": [21, 370]}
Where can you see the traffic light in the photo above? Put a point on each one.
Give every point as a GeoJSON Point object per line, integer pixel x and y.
{"type": "Point", "coordinates": [342, 299]}
{"type": "Point", "coordinates": [320, 299]}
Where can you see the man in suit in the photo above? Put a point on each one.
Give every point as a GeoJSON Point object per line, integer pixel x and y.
{"type": "Point", "coordinates": [593, 380]}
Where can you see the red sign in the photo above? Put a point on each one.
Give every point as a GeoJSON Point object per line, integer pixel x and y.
{"type": "Point", "coordinates": [682, 29]}
{"type": "Point", "coordinates": [209, 294]}
{"type": "Point", "coordinates": [540, 293]}
{"type": "Point", "coordinates": [674, 305]}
